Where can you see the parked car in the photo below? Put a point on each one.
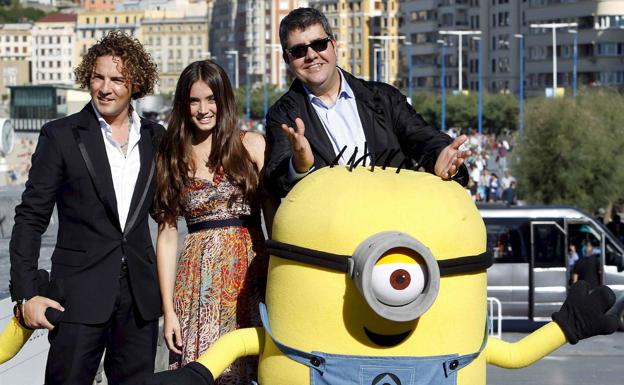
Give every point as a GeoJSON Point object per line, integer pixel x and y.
{"type": "Point", "coordinates": [531, 272]}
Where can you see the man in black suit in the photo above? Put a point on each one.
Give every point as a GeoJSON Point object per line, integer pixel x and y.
{"type": "Point", "coordinates": [327, 109]}
{"type": "Point", "coordinates": [97, 166]}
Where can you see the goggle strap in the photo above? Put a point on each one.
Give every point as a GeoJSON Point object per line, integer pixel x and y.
{"type": "Point", "coordinates": [466, 264]}
{"type": "Point", "coordinates": [343, 263]}
{"type": "Point", "coordinates": [314, 257]}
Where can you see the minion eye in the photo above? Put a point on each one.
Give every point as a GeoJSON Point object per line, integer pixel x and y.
{"type": "Point", "coordinates": [398, 284]}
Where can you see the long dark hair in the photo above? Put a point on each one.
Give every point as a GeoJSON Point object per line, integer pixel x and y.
{"type": "Point", "coordinates": [174, 161]}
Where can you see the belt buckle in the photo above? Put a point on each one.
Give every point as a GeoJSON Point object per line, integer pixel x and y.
{"type": "Point", "coordinates": [124, 267]}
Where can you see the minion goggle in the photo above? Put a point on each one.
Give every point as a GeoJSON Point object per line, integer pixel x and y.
{"type": "Point", "coordinates": [397, 275]}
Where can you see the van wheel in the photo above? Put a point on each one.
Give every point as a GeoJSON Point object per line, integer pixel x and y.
{"type": "Point", "coordinates": [621, 318]}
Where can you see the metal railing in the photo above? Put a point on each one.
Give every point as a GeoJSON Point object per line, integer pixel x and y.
{"type": "Point", "coordinates": [493, 304]}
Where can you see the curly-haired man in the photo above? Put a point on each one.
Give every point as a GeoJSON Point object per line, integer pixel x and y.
{"type": "Point", "coordinates": [97, 167]}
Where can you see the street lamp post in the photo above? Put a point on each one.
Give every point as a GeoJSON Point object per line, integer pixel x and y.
{"type": "Point", "coordinates": [443, 86]}
{"type": "Point", "coordinates": [376, 64]}
{"type": "Point", "coordinates": [265, 91]}
{"type": "Point", "coordinates": [386, 39]}
{"type": "Point", "coordinates": [480, 81]}
{"type": "Point", "coordinates": [235, 54]}
{"type": "Point", "coordinates": [574, 33]}
{"type": "Point", "coordinates": [553, 27]}
{"type": "Point", "coordinates": [521, 85]}
{"type": "Point", "coordinates": [459, 51]}
{"type": "Point", "coordinates": [247, 90]}
{"type": "Point", "coordinates": [409, 69]}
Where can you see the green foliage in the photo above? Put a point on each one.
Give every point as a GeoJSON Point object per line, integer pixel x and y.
{"type": "Point", "coordinates": [572, 149]}
{"type": "Point", "coordinates": [13, 12]}
{"type": "Point", "coordinates": [500, 111]}
{"type": "Point", "coordinates": [256, 100]}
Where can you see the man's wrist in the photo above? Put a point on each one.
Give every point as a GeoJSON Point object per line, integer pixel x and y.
{"type": "Point", "coordinates": [18, 312]}
{"type": "Point", "coordinates": [293, 174]}
{"type": "Point", "coordinates": [298, 169]}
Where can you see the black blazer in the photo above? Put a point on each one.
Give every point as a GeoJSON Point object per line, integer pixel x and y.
{"type": "Point", "coordinates": [388, 121]}
{"type": "Point", "coordinates": [70, 169]}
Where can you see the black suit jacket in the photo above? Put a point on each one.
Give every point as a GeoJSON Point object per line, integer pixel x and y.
{"type": "Point", "coordinates": [70, 168]}
{"type": "Point", "coordinates": [388, 121]}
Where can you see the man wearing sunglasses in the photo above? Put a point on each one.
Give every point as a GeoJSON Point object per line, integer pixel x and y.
{"type": "Point", "coordinates": [330, 116]}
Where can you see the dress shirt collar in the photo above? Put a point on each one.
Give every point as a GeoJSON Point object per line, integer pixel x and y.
{"type": "Point", "coordinates": [345, 91]}
{"type": "Point", "coordinates": [135, 121]}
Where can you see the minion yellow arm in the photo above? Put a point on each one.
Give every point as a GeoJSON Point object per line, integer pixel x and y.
{"type": "Point", "coordinates": [13, 337]}
{"type": "Point", "coordinates": [528, 350]}
{"type": "Point", "coordinates": [230, 346]}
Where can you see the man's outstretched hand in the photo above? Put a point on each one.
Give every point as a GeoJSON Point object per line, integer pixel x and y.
{"type": "Point", "coordinates": [451, 158]}
{"type": "Point", "coordinates": [303, 159]}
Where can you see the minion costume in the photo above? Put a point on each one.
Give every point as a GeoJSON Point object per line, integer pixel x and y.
{"type": "Point", "coordinates": [378, 277]}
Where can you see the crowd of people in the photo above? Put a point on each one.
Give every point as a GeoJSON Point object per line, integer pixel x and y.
{"type": "Point", "coordinates": [490, 180]}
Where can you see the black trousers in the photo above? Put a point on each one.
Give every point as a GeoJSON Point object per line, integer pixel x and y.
{"type": "Point", "coordinates": [130, 343]}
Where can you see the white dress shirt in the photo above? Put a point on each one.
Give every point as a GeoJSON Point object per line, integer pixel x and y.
{"type": "Point", "coordinates": [342, 125]}
{"type": "Point", "coordinates": [124, 169]}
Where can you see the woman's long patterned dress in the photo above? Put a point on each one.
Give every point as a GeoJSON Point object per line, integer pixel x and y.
{"type": "Point", "coordinates": [221, 274]}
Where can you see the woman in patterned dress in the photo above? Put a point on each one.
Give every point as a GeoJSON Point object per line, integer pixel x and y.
{"type": "Point", "coordinates": [208, 171]}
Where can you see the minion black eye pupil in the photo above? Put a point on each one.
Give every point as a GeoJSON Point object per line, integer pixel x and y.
{"type": "Point", "coordinates": [400, 279]}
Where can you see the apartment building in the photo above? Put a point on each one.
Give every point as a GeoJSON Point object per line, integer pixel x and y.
{"type": "Point", "coordinates": [15, 41]}
{"type": "Point", "coordinates": [277, 67]}
{"type": "Point", "coordinates": [504, 25]}
{"type": "Point", "coordinates": [174, 39]}
{"type": "Point", "coordinates": [53, 49]}
{"type": "Point", "coordinates": [99, 5]}
{"type": "Point", "coordinates": [92, 26]}
{"type": "Point", "coordinates": [244, 34]}
{"type": "Point", "coordinates": [367, 34]}
{"type": "Point", "coordinates": [600, 43]}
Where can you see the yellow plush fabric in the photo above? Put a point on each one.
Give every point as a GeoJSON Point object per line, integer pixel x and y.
{"type": "Point", "coordinates": [12, 339]}
{"type": "Point", "coordinates": [316, 309]}
{"type": "Point", "coordinates": [229, 347]}
{"type": "Point", "coordinates": [334, 210]}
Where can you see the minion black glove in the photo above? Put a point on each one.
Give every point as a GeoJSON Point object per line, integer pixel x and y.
{"type": "Point", "coordinates": [583, 312]}
{"type": "Point", "coordinates": [192, 373]}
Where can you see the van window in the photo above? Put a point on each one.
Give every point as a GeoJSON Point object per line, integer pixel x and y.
{"type": "Point", "coordinates": [549, 246]}
{"type": "Point", "coordinates": [613, 257]}
{"type": "Point", "coordinates": [506, 244]}
{"type": "Point", "coordinates": [582, 234]}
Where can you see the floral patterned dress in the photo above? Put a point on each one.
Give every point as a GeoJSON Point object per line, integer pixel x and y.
{"type": "Point", "coordinates": [221, 274]}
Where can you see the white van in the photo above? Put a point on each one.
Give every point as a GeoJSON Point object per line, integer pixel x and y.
{"type": "Point", "coordinates": [531, 271]}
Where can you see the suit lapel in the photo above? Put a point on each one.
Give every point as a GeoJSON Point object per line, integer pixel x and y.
{"type": "Point", "coordinates": [89, 138]}
{"type": "Point", "coordinates": [146, 171]}
{"type": "Point", "coordinates": [316, 134]}
{"type": "Point", "coordinates": [363, 96]}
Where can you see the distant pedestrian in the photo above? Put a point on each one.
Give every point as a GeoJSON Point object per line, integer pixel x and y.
{"type": "Point", "coordinates": [617, 227]}
{"type": "Point", "coordinates": [509, 194]}
{"type": "Point", "coordinates": [588, 268]}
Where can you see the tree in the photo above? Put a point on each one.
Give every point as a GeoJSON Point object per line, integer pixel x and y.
{"type": "Point", "coordinates": [572, 150]}
{"type": "Point", "coordinates": [13, 12]}
{"type": "Point", "coordinates": [256, 100]}
{"type": "Point", "coordinates": [500, 111]}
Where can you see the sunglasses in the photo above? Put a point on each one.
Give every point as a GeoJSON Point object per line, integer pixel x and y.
{"type": "Point", "coordinates": [300, 50]}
